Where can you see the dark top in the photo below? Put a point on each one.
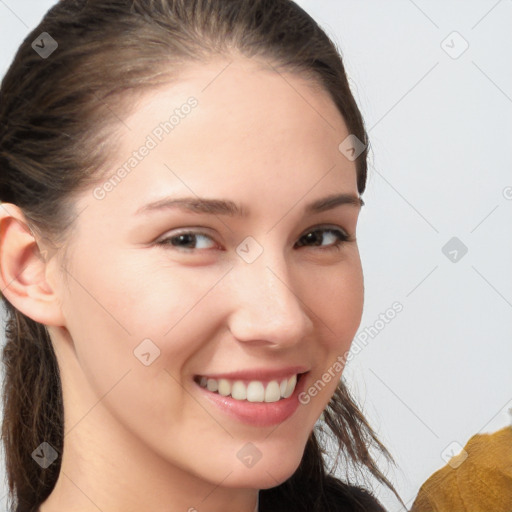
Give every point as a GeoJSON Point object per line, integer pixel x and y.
{"type": "Point", "coordinates": [337, 497]}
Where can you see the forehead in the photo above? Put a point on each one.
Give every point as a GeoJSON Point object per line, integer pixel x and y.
{"type": "Point", "coordinates": [238, 100]}
{"type": "Point", "coordinates": [250, 130]}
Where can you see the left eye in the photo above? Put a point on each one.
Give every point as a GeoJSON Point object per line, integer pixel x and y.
{"type": "Point", "coordinates": [333, 234]}
{"type": "Point", "coordinates": [188, 240]}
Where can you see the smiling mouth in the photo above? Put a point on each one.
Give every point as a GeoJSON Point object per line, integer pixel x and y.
{"type": "Point", "coordinates": [253, 390]}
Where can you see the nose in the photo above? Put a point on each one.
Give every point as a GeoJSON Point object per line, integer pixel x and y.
{"type": "Point", "coordinates": [268, 310]}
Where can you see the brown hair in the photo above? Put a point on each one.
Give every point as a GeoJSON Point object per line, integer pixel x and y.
{"type": "Point", "coordinates": [56, 113]}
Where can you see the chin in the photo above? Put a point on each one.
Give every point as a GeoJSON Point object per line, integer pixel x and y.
{"type": "Point", "coordinates": [266, 474]}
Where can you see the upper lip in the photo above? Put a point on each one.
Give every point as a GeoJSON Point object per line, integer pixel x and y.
{"type": "Point", "coordinates": [263, 374]}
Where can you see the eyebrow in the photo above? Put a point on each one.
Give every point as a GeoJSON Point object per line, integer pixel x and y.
{"type": "Point", "coordinates": [232, 209]}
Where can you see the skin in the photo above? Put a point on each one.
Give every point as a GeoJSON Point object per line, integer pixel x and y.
{"type": "Point", "coordinates": [144, 437]}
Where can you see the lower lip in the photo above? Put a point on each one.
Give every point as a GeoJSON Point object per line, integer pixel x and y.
{"type": "Point", "coordinates": [258, 414]}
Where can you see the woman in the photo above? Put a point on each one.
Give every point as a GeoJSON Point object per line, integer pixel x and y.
{"type": "Point", "coordinates": [181, 182]}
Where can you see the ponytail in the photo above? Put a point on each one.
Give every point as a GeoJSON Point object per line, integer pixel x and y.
{"type": "Point", "coordinates": [32, 409]}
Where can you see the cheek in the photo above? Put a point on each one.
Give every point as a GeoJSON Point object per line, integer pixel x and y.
{"type": "Point", "coordinates": [134, 334]}
{"type": "Point", "coordinates": [336, 299]}
{"type": "Point", "coordinates": [126, 317]}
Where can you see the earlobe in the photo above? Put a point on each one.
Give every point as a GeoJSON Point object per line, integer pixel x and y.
{"type": "Point", "coordinates": [23, 269]}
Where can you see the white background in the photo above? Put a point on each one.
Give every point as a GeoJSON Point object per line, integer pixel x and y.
{"type": "Point", "coordinates": [440, 130]}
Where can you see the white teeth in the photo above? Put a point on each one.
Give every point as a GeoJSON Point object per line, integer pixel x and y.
{"type": "Point", "coordinates": [282, 387]}
{"type": "Point", "coordinates": [290, 387]}
{"type": "Point", "coordinates": [224, 387]}
{"type": "Point", "coordinates": [212, 385]}
{"type": "Point", "coordinates": [255, 391]}
{"type": "Point", "coordinates": [239, 391]}
{"type": "Point", "coordinates": [272, 393]}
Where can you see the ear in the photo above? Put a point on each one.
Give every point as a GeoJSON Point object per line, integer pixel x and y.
{"type": "Point", "coordinates": [24, 266]}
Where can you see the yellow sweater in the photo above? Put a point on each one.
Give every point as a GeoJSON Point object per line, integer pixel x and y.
{"type": "Point", "coordinates": [480, 482]}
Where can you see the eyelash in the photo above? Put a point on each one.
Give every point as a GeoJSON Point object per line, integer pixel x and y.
{"type": "Point", "coordinates": [340, 234]}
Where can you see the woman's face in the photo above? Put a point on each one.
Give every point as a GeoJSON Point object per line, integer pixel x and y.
{"type": "Point", "coordinates": [161, 301]}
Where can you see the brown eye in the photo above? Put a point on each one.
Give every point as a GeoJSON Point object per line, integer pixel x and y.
{"type": "Point", "coordinates": [186, 241]}
{"type": "Point", "coordinates": [317, 236]}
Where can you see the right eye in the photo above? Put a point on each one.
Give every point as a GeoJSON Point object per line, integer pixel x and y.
{"type": "Point", "coordinates": [184, 240]}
